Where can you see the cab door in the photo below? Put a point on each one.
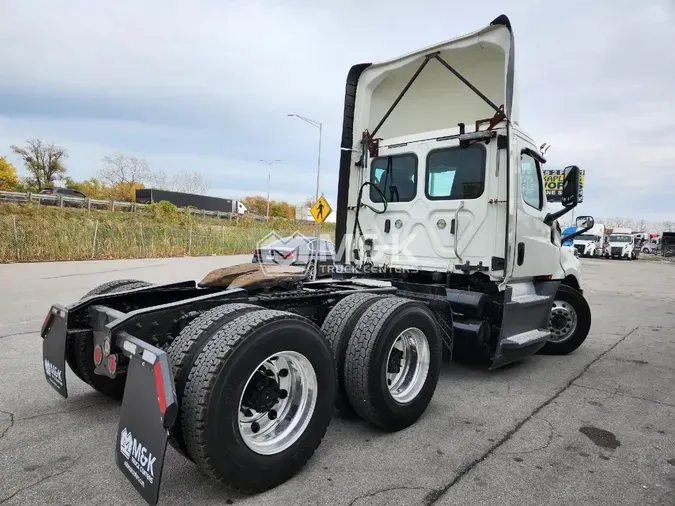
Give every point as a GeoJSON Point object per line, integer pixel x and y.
{"type": "Point", "coordinates": [535, 252]}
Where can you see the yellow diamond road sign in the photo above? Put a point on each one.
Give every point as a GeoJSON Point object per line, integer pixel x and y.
{"type": "Point", "coordinates": [320, 210]}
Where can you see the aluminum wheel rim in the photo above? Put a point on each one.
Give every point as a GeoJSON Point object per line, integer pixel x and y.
{"type": "Point", "coordinates": [412, 347]}
{"type": "Point", "coordinates": [563, 321]}
{"type": "Point", "coordinates": [295, 375]}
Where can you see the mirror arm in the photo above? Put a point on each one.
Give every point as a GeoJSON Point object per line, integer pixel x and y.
{"type": "Point", "coordinates": [565, 238]}
{"type": "Point", "coordinates": [551, 217]}
{"type": "Point", "coordinates": [535, 155]}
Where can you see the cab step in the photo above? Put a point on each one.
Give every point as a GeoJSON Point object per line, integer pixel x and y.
{"type": "Point", "coordinates": [529, 338]}
{"type": "Point", "coordinates": [525, 320]}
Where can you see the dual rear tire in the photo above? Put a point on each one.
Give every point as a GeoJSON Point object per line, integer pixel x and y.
{"type": "Point", "coordinates": [387, 353]}
{"type": "Point", "coordinates": [256, 389]}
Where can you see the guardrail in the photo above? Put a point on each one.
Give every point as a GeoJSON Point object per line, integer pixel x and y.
{"type": "Point", "coordinates": [88, 203]}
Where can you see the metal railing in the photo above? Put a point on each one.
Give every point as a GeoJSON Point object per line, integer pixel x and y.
{"type": "Point", "coordinates": [113, 205]}
{"type": "Point", "coordinates": [101, 204]}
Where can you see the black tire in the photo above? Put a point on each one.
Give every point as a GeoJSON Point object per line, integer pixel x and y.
{"type": "Point", "coordinates": [583, 312]}
{"type": "Point", "coordinates": [338, 328]}
{"type": "Point", "coordinates": [70, 347]}
{"type": "Point", "coordinates": [366, 362]}
{"type": "Point", "coordinates": [184, 349]}
{"type": "Point", "coordinates": [117, 285]}
{"type": "Point", "coordinates": [216, 384]}
{"type": "Point", "coordinates": [81, 349]}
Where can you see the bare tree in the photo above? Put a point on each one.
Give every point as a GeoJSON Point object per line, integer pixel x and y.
{"type": "Point", "coordinates": [44, 162]}
{"type": "Point", "coordinates": [184, 181]}
{"type": "Point", "coordinates": [120, 169]}
{"type": "Point", "coordinates": [667, 226]}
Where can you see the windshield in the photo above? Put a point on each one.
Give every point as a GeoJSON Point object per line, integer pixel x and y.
{"type": "Point", "coordinates": [585, 237]}
{"type": "Point", "coordinates": [620, 238]}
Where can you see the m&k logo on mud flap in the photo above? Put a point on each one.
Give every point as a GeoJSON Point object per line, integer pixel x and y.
{"type": "Point", "coordinates": [138, 458]}
{"type": "Point", "coordinates": [53, 373]}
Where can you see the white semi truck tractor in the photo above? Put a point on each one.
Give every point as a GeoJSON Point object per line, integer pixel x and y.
{"type": "Point", "coordinates": [622, 245]}
{"type": "Point", "coordinates": [445, 241]}
{"type": "Point", "coordinates": [590, 243]}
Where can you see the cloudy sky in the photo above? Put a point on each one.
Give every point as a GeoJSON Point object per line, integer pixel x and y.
{"type": "Point", "coordinates": [206, 85]}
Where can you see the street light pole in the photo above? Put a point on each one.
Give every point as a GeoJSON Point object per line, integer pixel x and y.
{"type": "Point", "coordinates": [269, 177]}
{"type": "Point", "coordinates": [319, 125]}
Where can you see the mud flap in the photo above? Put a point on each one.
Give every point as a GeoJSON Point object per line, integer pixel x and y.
{"type": "Point", "coordinates": [149, 409]}
{"type": "Point", "coordinates": [54, 333]}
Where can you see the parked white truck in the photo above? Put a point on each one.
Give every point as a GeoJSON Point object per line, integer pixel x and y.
{"type": "Point", "coordinates": [621, 244]}
{"type": "Point", "coordinates": [445, 241]}
{"type": "Point", "coordinates": [590, 244]}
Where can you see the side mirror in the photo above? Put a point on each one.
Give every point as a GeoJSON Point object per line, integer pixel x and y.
{"type": "Point", "coordinates": [571, 183]}
{"type": "Point", "coordinates": [585, 222]}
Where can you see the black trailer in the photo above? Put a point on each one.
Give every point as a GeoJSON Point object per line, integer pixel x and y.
{"type": "Point", "coordinates": [668, 244]}
{"type": "Point", "coordinates": [180, 199]}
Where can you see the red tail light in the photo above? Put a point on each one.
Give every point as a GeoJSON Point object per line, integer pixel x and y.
{"type": "Point", "coordinates": [112, 363]}
{"type": "Point", "coordinates": [45, 323]}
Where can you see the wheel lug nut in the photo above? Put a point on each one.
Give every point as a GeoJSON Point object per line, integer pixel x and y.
{"type": "Point", "coordinates": [272, 415]}
{"type": "Point", "coordinates": [283, 373]}
{"type": "Point", "coordinates": [283, 394]}
{"type": "Point", "coordinates": [255, 426]}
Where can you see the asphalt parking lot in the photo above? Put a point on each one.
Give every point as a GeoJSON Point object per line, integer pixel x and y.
{"type": "Point", "coordinates": [595, 427]}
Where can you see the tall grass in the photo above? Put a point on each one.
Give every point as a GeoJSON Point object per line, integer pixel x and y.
{"type": "Point", "coordinates": [30, 233]}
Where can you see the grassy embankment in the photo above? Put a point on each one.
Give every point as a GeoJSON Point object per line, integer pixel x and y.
{"type": "Point", "coordinates": [45, 233]}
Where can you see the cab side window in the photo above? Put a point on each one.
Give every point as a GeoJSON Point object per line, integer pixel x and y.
{"type": "Point", "coordinates": [531, 182]}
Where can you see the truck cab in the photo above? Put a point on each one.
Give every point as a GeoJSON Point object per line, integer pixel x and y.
{"type": "Point", "coordinates": [446, 180]}
{"type": "Point", "coordinates": [621, 244]}
{"type": "Point", "coordinates": [590, 243]}
{"type": "Point", "coordinates": [441, 185]}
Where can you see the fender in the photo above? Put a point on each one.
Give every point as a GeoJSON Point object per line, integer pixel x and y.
{"type": "Point", "coordinates": [570, 272]}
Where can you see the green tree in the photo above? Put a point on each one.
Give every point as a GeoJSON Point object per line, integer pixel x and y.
{"type": "Point", "coordinates": [43, 162]}
{"type": "Point", "coordinates": [256, 205]}
{"type": "Point", "coordinates": [9, 181]}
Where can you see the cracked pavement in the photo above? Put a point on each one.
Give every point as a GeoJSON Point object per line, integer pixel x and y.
{"type": "Point", "coordinates": [597, 426]}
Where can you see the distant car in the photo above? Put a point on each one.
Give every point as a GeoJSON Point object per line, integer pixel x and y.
{"type": "Point", "coordinates": [63, 192]}
{"type": "Point", "coordinates": [297, 252]}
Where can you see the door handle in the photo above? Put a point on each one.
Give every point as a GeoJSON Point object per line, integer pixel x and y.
{"type": "Point", "coordinates": [521, 253]}
{"type": "Point", "coordinates": [455, 228]}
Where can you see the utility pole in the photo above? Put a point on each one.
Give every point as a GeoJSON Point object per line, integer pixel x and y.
{"type": "Point", "coordinates": [319, 126]}
{"type": "Point", "coordinates": [269, 177]}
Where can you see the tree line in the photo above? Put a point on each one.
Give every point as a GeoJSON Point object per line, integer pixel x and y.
{"type": "Point", "coordinates": [118, 177]}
